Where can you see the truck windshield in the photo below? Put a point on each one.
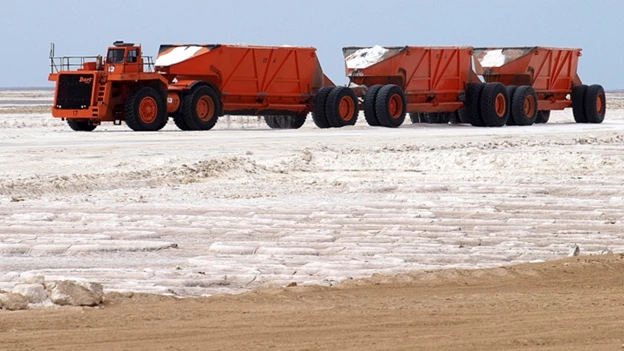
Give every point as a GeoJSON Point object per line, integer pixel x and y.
{"type": "Point", "coordinates": [116, 55]}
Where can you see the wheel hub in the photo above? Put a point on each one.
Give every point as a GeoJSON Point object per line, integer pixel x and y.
{"type": "Point", "coordinates": [148, 110]}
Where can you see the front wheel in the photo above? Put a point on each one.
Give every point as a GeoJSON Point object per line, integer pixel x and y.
{"type": "Point", "coordinates": [145, 110]}
{"type": "Point", "coordinates": [80, 126]}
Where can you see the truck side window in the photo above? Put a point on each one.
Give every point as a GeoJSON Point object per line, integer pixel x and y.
{"type": "Point", "coordinates": [132, 56]}
{"type": "Point", "coordinates": [116, 56]}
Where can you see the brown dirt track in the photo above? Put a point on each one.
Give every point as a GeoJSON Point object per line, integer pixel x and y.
{"type": "Point", "coordinates": [573, 304]}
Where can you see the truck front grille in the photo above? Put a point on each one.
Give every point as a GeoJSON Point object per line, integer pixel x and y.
{"type": "Point", "coordinates": [74, 91]}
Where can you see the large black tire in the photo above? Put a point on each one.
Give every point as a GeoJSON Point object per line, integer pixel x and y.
{"type": "Point", "coordinates": [578, 103]}
{"type": "Point", "coordinates": [81, 126]}
{"type": "Point", "coordinates": [295, 121]}
{"type": "Point", "coordinates": [595, 104]}
{"type": "Point", "coordinates": [438, 118]}
{"type": "Point", "coordinates": [542, 117]}
{"type": "Point", "coordinates": [201, 108]}
{"type": "Point", "coordinates": [414, 117]}
{"type": "Point", "coordinates": [273, 122]}
{"type": "Point", "coordinates": [286, 121]}
{"type": "Point", "coordinates": [290, 121]}
{"type": "Point", "coordinates": [178, 120]}
{"type": "Point", "coordinates": [319, 115]}
{"type": "Point", "coordinates": [145, 110]}
{"type": "Point", "coordinates": [369, 105]}
{"type": "Point", "coordinates": [524, 106]}
{"type": "Point", "coordinates": [494, 105]}
{"type": "Point", "coordinates": [511, 90]}
{"type": "Point", "coordinates": [473, 102]}
{"type": "Point", "coordinates": [454, 117]}
{"type": "Point", "coordinates": [418, 117]}
{"type": "Point", "coordinates": [462, 115]}
{"type": "Point", "coordinates": [342, 107]}
{"type": "Point", "coordinates": [390, 106]}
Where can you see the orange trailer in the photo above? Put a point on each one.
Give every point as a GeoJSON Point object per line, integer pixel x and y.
{"type": "Point", "coordinates": [429, 83]}
{"type": "Point", "coordinates": [539, 80]}
{"type": "Point", "coordinates": [195, 84]}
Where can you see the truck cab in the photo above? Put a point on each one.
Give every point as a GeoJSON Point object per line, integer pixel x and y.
{"type": "Point", "coordinates": [124, 58]}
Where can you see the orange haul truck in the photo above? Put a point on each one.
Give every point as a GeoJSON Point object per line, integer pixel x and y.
{"type": "Point", "coordinates": [194, 85]}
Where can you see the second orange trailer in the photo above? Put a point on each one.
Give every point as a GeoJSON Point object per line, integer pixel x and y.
{"type": "Point", "coordinates": [431, 82]}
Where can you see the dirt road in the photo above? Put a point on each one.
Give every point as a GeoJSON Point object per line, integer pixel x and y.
{"type": "Point", "coordinates": [573, 304]}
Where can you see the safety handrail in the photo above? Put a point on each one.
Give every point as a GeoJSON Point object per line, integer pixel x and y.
{"type": "Point", "coordinates": [74, 63]}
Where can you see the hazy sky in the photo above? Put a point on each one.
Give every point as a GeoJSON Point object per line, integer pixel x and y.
{"type": "Point", "coordinates": [84, 27]}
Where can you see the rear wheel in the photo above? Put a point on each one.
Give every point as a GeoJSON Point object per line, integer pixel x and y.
{"type": "Point", "coordinates": [369, 105]}
{"type": "Point", "coordinates": [390, 106]}
{"type": "Point", "coordinates": [462, 115]}
{"type": "Point", "coordinates": [81, 126]}
{"type": "Point", "coordinates": [578, 103]}
{"type": "Point", "coordinates": [286, 121]}
{"type": "Point", "coordinates": [542, 117]}
{"type": "Point", "coordinates": [524, 106]}
{"type": "Point", "coordinates": [419, 117]}
{"type": "Point", "coordinates": [494, 105]}
{"type": "Point", "coordinates": [438, 117]}
{"type": "Point", "coordinates": [473, 101]}
{"type": "Point", "coordinates": [595, 104]}
{"type": "Point", "coordinates": [415, 117]}
{"type": "Point", "coordinates": [342, 107]}
{"type": "Point", "coordinates": [178, 119]}
{"type": "Point", "coordinates": [510, 91]}
{"type": "Point", "coordinates": [273, 122]}
{"type": "Point", "coordinates": [318, 113]}
{"type": "Point", "coordinates": [295, 121]}
{"type": "Point", "coordinates": [454, 117]}
{"type": "Point", "coordinates": [201, 108]}
{"type": "Point", "coordinates": [145, 110]}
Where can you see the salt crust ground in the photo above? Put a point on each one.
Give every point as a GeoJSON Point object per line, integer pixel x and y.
{"type": "Point", "coordinates": [242, 206]}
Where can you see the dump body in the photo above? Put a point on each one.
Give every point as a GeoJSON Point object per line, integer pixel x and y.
{"type": "Point", "coordinates": [433, 78]}
{"type": "Point", "coordinates": [250, 79]}
{"type": "Point", "coordinates": [552, 72]}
